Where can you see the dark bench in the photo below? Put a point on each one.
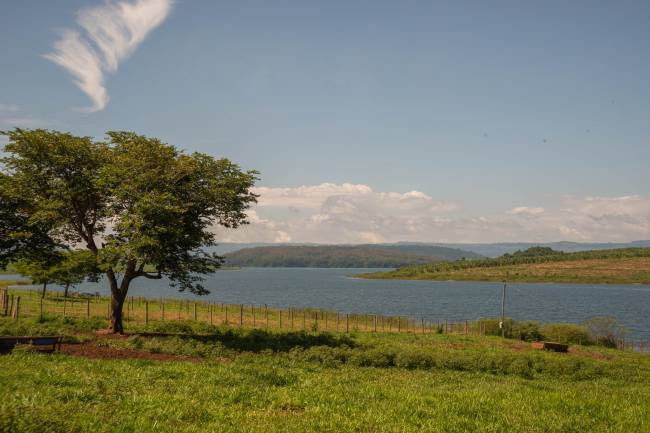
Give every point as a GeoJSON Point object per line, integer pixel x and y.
{"type": "Point", "coordinates": [40, 343]}
{"type": "Point", "coordinates": [550, 345]}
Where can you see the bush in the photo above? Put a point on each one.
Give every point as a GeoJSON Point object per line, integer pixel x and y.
{"type": "Point", "coordinates": [527, 331]}
{"type": "Point", "coordinates": [606, 331]}
{"type": "Point", "coordinates": [568, 333]}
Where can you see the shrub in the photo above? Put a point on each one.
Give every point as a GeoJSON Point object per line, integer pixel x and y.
{"type": "Point", "coordinates": [606, 331]}
{"type": "Point", "coordinates": [566, 333]}
{"type": "Point", "coordinates": [526, 331]}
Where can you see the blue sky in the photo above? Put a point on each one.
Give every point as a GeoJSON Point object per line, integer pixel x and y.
{"type": "Point", "coordinates": [493, 111]}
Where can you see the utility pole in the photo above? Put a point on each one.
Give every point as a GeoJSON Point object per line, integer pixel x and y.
{"type": "Point", "coordinates": [503, 311]}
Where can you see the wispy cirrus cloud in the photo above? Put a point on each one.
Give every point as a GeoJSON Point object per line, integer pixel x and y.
{"type": "Point", "coordinates": [108, 35]}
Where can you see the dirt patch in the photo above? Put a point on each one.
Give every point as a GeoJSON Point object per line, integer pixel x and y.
{"type": "Point", "coordinates": [90, 350]}
{"type": "Point", "coordinates": [592, 355]}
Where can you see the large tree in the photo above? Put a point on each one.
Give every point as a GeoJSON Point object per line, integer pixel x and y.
{"type": "Point", "coordinates": [141, 207]}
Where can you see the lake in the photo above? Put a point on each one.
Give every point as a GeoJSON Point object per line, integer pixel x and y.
{"type": "Point", "coordinates": [334, 289]}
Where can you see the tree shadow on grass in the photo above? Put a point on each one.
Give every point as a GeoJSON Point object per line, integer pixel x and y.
{"type": "Point", "coordinates": [257, 340]}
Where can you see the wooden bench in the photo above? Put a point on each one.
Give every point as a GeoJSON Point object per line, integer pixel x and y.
{"type": "Point", "coordinates": [41, 343]}
{"type": "Point", "coordinates": [550, 345]}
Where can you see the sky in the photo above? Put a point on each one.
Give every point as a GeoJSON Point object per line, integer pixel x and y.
{"type": "Point", "coordinates": [369, 121]}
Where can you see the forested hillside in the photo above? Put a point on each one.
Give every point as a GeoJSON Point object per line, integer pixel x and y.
{"type": "Point", "coordinates": [337, 256]}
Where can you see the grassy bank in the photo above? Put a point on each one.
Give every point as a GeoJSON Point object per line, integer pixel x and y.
{"type": "Point", "coordinates": [622, 266]}
{"type": "Point", "coordinates": [281, 381]}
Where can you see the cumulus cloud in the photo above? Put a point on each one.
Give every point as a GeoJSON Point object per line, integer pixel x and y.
{"type": "Point", "coordinates": [352, 213]}
{"type": "Point", "coordinates": [109, 34]}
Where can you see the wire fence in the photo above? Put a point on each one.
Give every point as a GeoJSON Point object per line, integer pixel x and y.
{"type": "Point", "coordinates": [24, 303]}
{"type": "Point", "coordinates": [20, 303]}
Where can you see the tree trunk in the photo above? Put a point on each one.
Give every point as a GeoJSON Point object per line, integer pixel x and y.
{"type": "Point", "coordinates": [117, 302]}
{"type": "Point", "coordinates": [118, 295]}
{"type": "Point", "coordinates": [43, 292]}
{"type": "Point", "coordinates": [65, 293]}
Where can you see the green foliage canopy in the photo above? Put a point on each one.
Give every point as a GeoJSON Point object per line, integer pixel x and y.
{"type": "Point", "coordinates": [134, 202]}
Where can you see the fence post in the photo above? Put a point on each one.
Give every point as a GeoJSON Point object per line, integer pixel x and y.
{"type": "Point", "coordinates": [17, 308]}
{"type": "Point", "coordinates": [347, 323]}
{"type": "Point", "coordinates": [162, 310]}
{"type": "Point", "coordinates": [280, 318]}
{"type": "Point", "coordinates": [304, 320]}
{"type": "Point", "coordinates": [210, 306]}
{"type": "Point", "coordinates": [253, 310]}
{"type": "Point", "coordinates": [325, 321]}
{"type": "Point", "coordinates": [266, 313]}
{"type": "Point", "coordinates": [399, 324]}
{"type": "Point", "coordinates": [195, 311]}
{"type": "Point", "coordinates": [241, 315]}
{"type": "Point", "coordinates": [226, 314]}
{"type": "Point", "coordinates": [87, 308]}
{"type": "Point", "coordinates": [465, 327]}
{"type": "Point", "coordinates": [64, 304]}
{"type": "Point", "coordinates": [146, 312]}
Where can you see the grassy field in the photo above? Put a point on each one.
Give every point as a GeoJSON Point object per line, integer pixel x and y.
{"type": "Point", "coordinates": [625, 266]}
{"type": "Point", "coordinates": [242, 380]}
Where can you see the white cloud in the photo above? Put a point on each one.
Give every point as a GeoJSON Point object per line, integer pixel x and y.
{"type": "Point", "coordinates": [349, 213]}
{"type": "Point", "coordinates": [525, 210]}
{"type": "Point", "coordinates": [111, 32]}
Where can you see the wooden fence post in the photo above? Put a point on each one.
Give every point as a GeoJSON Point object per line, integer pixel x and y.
{"type": "Point", "coordinates": [347, 323]}
{"type": "Point", "coordinates": [304, 320]}
{"type": "Point", "coordinates": [162, 310]}
{"type": "Point", "coordinates": [64, 303]}
{"type": "Point", "coordinates": [266, 313]}
{"type": "Point", "coordinates": [87, 308]}
{"type": "Point", "coordinates": [399, 324]}
{"type": "Point", "coordinates": [280, 318]}
{"type": "Point", "coordinates": [17, 308]}
{"type": "Point", "coordinates": [210, 306]}
{"type": "Point", "coordinates": [253, 311]}
{"type": "Point", "coordinates": [195, 311]}
{"type": "Point", "coordinates": [10, 309]}
{"type": "Point", "coordinates": [146, 312]}
{"type": "Point", "coordinates": [241, 315]}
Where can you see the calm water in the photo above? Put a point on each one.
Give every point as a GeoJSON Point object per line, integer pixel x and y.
{"type": "Point", "coordinates": [334, 289]}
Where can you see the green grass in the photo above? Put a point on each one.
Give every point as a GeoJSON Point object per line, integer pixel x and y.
{"type": "Point", "coordinates": [616, 266]}
{"type": "Point", "coordinates": [257, 381]}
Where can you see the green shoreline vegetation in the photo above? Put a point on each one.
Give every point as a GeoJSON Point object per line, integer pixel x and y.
{"type": "Point", "coordinates": [616, 266]}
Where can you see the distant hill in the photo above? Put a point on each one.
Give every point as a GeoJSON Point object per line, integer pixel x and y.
{"type": "Point", "coordinates": [500, 248]}
{"type": "Point", "coordinates": [538, 264]}
{"type": "Point", "coordinates": [344, 256]}
{"type": "Point", "coordinates": [479, 249]}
